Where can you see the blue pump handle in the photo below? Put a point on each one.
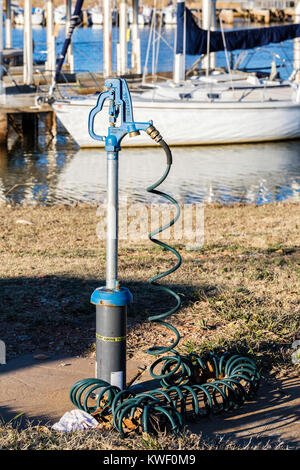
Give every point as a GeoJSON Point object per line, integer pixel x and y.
{"type": "Point", "coordinates": [119, 105]}
{"type": "Point", "coordinates": [102, 97]}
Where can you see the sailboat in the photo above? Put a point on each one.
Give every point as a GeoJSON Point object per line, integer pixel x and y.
{"type": "Point", "coordinates": [96, 15]}
{"type": "Point", "coordinates": [37, 16]}
{"type": "Point", "coordinates": [169, 14]}
{"type": "Point", "coordinates": [213, 107]}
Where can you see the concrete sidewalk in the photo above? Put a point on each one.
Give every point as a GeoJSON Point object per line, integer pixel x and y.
{"type": "Point", "coordinates": [40, 390]}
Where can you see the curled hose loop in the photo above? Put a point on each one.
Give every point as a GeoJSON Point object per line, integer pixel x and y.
{"type": "Point", "coordinates": [159, 318]}
{"type": "Point", "coordinates": [89, 386]}
{"type": "Point", "coordinates": [191, 386]}
{"type": "Point", "coordinates": [169, 408]}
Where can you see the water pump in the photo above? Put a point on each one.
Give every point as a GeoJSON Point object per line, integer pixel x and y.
{"type": "Point", "coordinates": [191, 386]}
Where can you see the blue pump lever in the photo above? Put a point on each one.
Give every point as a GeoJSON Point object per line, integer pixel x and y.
{"type": "Point", "coordinates": [119, 105]}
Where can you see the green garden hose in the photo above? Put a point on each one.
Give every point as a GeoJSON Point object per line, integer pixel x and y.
{"type": "Point", "coordinates": [191, 386]}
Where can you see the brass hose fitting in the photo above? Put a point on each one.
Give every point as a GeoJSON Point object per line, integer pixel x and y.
{"type": "Point", "coordinates": [134, 133]}
{"type": "Point", "coordinates": [154, 134]}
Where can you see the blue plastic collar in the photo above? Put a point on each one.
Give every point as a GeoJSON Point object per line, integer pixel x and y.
{"type": "Point", "coordinates": [116, 297]}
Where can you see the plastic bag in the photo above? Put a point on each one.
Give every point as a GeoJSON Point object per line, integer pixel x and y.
{"type": "Point", "coordinates": [75, 420]}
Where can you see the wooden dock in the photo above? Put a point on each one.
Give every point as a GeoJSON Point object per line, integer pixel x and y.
{"type": "Point", "coordinates": [20, 110]}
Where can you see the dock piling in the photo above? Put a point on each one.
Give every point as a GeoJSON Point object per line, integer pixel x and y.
{"type": "Point", "coordinates": [8, 25]}
{"type": "Point", "coordinates": [51, 53]}
{"type": "Point", "coordinates": [28, 45]}
{"type": "Point", "coordinates": [3, 128]}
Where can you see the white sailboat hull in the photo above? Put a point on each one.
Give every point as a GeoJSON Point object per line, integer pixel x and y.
{"type": "Point", "coordinates": [191, 123]}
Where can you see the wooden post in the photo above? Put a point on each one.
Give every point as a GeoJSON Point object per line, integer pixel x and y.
{"type": "Point", "coordinates": [51, 52]}
{"type": "Point", "coordinates": [3, 163]}
{"type": "Point", "coordinates": [8, 26]}
{"type": "Point", "coordinates": [3, 128]}
{"type": "Point", "coordinates": [50, 123]}
{"type": "Point", "coordinates": [28, 52]}
{"type": "Point", "coordinates": [136, 43]}
{"type": "Point", "coordinates": [107, 27]}
{"type": "Point", "coordinates": [85, 18]}
{"type": "Point", "coordinates": [123, 24]}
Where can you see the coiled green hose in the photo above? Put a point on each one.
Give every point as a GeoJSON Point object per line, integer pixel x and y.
{"type": "Point", "coordinates": [159, 317]}
{"type": "Point", "coordinates": [191, 386]}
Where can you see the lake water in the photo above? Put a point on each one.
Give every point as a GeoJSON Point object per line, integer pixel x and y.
{"type": "Point", "coordinates": [88, 46]}
{"type": "Point", "coordinates": [56, 171]}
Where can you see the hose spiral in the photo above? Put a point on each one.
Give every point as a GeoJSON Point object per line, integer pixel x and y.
{"type": "Point", "coordinates": [159, 317]}
{"type": "Point", "coordinates": [203, 386]}
{"type": "Point", "coordinates": [191, 386]}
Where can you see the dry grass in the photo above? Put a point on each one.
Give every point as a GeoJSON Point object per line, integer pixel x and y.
{"type": "Point", "coordinates": [240, 291]}
{"type": "Point", "coordinates": [42, 438]}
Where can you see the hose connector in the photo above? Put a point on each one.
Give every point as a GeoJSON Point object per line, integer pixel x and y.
{"type": "Point", "coordinates": [154, 134]}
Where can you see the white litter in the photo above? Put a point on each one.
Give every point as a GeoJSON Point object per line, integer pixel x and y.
{"type": "Point", "coordinates": [25, 222]}
{"type": "Point", "coordinates": [75, 420]}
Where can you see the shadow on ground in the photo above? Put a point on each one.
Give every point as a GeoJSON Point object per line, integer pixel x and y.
{"type": "Point", "coordinates": [54, 314]}
{"type": "Point", "coordinates": [273, 417]}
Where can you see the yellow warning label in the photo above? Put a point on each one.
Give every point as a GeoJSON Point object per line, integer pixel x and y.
{"type": "Point", "coordinates": [109, 338]}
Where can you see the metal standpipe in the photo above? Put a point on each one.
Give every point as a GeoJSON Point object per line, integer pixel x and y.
{"type": "Point", "coordinates": [111, 301]}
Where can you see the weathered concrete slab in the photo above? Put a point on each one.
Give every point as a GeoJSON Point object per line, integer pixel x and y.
{"type": "Point", "coordinates": [40, 388]}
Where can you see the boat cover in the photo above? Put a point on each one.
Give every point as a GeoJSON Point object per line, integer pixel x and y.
{"type": "Point", "coordinates": [196, 38]}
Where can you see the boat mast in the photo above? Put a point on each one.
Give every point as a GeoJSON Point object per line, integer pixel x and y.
{"type": "Point", "coordinates": [73, 23]}
{"type": "Point", "coordinates": [209, 24]}
{"type": "Point", "coordinates": [297, 46]}
{"type": "Point", "coordinates": [179, 59]}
